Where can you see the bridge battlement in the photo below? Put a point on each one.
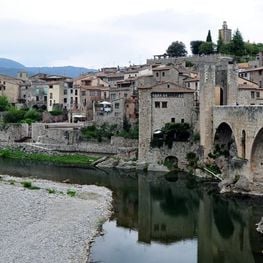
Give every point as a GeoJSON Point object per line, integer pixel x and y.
{"type": "Point", "coordinates": [246, 124]}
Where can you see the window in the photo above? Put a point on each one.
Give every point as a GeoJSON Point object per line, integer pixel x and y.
{"type": "Point", "coordinates": [258, 94]}
{"type": "Point", "coordinates": [163, 74]}
{"type": "Point", "coordinates": [65, 100]}
{"type": "Point", "coordinates": [157, 74]}
{"type": "Point", "coordinates": [65, 91]}
{"type": "Point", "coordinates": [71, 91]}
{"type": "Point", "coordinates": [113, 96]}
{"type": "Point", "coordinates": [50, 103]}
{"type": "Point", "coordinates": [260, 72]}
{"type": "Point", "coordinates": [189, 84]}
{"type": "Point", "coordinates": [173, 120]}
{"type": "Point", "coordinates": [76, 92]}
{"type": "Point", "coordinates": [51, 95]}
{"type": "Point", "coordinates": [164, 104]}
{"type": "Point", "coordinates": [182, 120]}
{"type": "Point", "coordinates": [76, 100]}
{"type": "Point", "coordinates": [71, 100]}
{"type": "Point", "coordinates": [51, 86]}
{"type": "Point", "coordinates": [83, 93]}
{"type": "Point", "coordinates": [260, 84]}
{"type": "Point", "coordinates": [45, 98]}
{"type": "Point", "coordinates": [117, 105]}
{"type": "Point", "coordinates": [168, 86]}
{"type": "Point", "coordinates": [37, 98]}
{"type": "Point", "coordinates": [157, 104]}
{"type": "Point", "coordinates": [252, 95]}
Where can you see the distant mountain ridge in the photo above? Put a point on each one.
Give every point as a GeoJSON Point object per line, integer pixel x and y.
{"type": "Point", "coordinates": [11, 68]}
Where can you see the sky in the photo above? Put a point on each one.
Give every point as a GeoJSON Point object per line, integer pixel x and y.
{"type": "Point", "coordinates": [103, 33]}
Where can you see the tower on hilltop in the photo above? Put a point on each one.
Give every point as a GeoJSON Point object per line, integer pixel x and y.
{"type": "Point", "coordinates": [225, 33]}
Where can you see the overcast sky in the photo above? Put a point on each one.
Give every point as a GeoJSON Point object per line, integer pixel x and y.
{"type": "Point", "coordinates": [103, 33]}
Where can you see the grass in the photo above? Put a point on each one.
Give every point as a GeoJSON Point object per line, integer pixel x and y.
{"type": "Point", "coordinates": [28, 185]}
{"type": "Point", "coordinates": [51, 190]}
{"type": "Point", "coordinates": [75, 159]}
{"type": "Point", "coordinates": [71, 192]}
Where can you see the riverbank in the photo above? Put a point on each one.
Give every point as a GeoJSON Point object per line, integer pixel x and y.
{"type": "Point", "coordinates": [53, 157]}
{"type": "Point", "coordinates": [56, 222]}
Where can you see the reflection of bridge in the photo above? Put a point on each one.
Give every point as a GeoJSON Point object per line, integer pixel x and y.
{"type": "Point", "coordinates": [245, 126]}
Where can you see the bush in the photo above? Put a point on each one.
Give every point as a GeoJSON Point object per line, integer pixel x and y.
{"type": "Point", "coordinates": [14, 115]}
{"type": "Point", "coordinates": [71, 192]}
{"type": "Point", "coordinates": [4, 103]}
{"type": "Point", "coordinates": [56, 112]}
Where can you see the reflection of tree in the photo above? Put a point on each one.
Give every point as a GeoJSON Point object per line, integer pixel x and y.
{"type": "Point", "coordinates": [174, 205]}
{"type": "Point", "coordinates": [222, 218]}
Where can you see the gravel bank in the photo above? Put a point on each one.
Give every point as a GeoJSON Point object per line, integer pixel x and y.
{"type": "Point", "coordinates": [37, 226]}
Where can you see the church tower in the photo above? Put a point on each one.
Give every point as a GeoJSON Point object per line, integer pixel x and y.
{"type": "Point", "coordinates": [225, 33]}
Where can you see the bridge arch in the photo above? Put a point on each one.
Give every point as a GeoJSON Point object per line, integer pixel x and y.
{"type": "Point", "coordinates": [256, 158]}
{"type": "Point", "coordinates": [224, 139]}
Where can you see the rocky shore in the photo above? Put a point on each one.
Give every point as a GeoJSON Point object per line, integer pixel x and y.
{"type": "Point", "coordinates": [43, 221]}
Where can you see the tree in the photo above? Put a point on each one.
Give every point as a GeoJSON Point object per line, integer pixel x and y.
{"type": "Point", "coordinates": [176, 49]}
{"type": "Point", "coordinates": [219, 44]}
{"type": "Point", "coordinates": [4, 103]}
{"type": "Point", "coordinates": [209, 38]}
{"type": "Point", "coordinates": [195, 46]}
{"type": "Point", "coordinates": [237, 45]}
{"type": "Point", "coordinates": [206, 48]}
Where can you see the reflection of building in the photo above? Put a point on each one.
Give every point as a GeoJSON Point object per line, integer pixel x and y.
{"type": "Point", "coordinates": [225, 33]}
{"type": "Point", "coordinates": [171, 212]}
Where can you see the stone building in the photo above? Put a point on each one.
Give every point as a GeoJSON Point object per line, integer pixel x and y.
{"type": "Point", "coordinates": [160, 104]}
{"type": "Point", "coordinates": [225, 33]}
{"type": "Point", "coordinates": [12, 88]}
{"type": "Point", "coordinates": [91, 90]}
{"type": "Point", "coordinates": [253, 74]}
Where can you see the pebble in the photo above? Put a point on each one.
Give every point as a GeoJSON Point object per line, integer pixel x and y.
{"type": "Point", "coordinates": [37, 226]}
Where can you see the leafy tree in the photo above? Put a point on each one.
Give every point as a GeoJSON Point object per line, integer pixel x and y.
{"type": "Point", "coordinates": [237, 45]}
{"type": "Point", "coordinates": [32, 115]}
{"type": "Point", "coordinates": [4, 103]}
{"type": "Point", "coordinates": [220, 44]}
{"type": "Point", "coordinates": [195, 46]}
{"type": "Point", "coordinates": [206, 48]}
{"type": "Point", "coordinates": [14, 115]}
{"type": "Point", "coordinates": [176, 49]}
{"type": "Point", "coordinates": [209, 38]}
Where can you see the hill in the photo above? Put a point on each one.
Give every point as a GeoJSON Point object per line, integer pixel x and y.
{"type": "Point", "coordinates": [11, 68]}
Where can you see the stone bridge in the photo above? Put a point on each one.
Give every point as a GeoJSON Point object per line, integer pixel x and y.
{"type": "Point", "coordinates": [244, 126]}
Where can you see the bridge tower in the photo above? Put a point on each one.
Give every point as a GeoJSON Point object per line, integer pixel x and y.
{"type": "Point", "coordinates": [218, 86]}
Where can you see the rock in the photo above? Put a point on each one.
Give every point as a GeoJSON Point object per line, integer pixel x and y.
{"type": "Point", "coordinates": [67, 181]}
{"type": "Point", "coordinates": [260, 226]}
{"type": "Point", "coordinates": [157, 168]}
{"type": "Point", "coordinates": [226, 185]}
{"type": "Point", "coordinates": [109, 163]}
{"type": "Point", "coordinates": [142, 166]}
{"type": "Point", "coordinates": [201, 174]}
{"type": "Point", "coordinates": [242, 184]}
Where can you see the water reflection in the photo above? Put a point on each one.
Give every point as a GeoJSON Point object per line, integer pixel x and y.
{"type": "Point", "coordinates": [157, 219]}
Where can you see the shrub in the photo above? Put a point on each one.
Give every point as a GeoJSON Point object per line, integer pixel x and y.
{"type": "Point", "coordinates": [71, 192]}
{"type": "Point", "coordinates": [56, 112]}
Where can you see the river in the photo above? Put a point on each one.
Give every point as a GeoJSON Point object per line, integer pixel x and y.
{"type": "Point", "coordinates": [163, 219]}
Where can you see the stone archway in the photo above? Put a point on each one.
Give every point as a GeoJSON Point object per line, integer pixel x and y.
{"type": "Point", "coordinates": [224, 140]}
{"type": "Point", "coordinates": [256, 159]}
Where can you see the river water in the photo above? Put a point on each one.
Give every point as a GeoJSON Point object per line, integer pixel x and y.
{"type": "Point", "coordinates": [163, 219]}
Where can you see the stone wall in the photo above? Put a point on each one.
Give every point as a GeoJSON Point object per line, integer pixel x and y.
{"type": "Point", "coordinates": [44, 133]}
{"type": "Point", "coordinates": [123, 142]}
{"type": "Point", "coordinates": [179, 150]}
{"type": "Point", "coordinates": [13, 132]}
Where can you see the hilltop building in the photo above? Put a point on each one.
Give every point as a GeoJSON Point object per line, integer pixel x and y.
{"type": "Point", "coordinates": [225, 33]}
